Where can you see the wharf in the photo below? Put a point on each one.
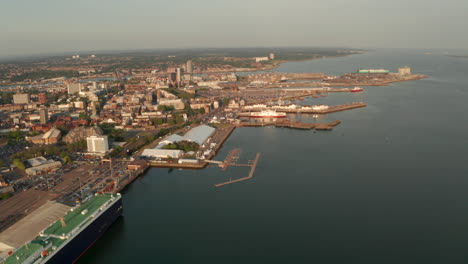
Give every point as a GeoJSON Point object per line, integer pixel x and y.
{"type": "Point", "coordinates": [201, 164]}
{"type": "Point", "coordinates": [330, 109]}
{"type": "Point", "coordinates": [123, 183]}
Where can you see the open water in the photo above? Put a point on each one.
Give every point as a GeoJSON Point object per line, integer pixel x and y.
{"type": "Point", "coordinates": [388, 185]}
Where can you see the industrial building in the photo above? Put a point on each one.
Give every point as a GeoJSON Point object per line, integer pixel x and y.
{"type": "Point", "coordinates": [45, 166]}
{"type": "Point", "coordinates": [97, 144]}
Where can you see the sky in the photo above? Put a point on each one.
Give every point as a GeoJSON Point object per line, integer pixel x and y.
{"type": "Point", "coordinates": [56, 26]}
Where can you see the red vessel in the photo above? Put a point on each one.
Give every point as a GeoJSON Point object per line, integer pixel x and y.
{"type": "Point", "coordinates": [357, 89]}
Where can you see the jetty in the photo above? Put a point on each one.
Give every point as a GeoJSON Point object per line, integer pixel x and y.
{"type": "Point", "coordinates": [253, 166]}
{"type": "Point", "coordinates": [286, 123]}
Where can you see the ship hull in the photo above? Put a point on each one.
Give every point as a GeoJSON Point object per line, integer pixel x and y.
{"type": "Point", "coordinates": [72, 251]}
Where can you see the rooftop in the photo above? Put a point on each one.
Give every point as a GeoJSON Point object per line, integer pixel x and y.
{"type": "Point", "coordinates": [199, 134]}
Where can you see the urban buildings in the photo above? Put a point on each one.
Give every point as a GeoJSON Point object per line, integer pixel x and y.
{"type": "Point", "coordinates": [189, 67]}
{"type": "Point", "coordinates": [81, 133]}
{"type": "Point", "coordinates": [42, 98]}
{"type": "Point", "coordinates": [50, 137]}
{"type": "Point", "coordinates": [97, 144]}
{"type": "Point", "coordinates": [21, 98]}
{"type": "Point", "coordinates": [73, 88]}
{"type": "Point", "coordinates": [44, 116]}
{"type": "Point", "coordinates": [260, 59]}
{"type": "Point", "coordinates": [178, 76]}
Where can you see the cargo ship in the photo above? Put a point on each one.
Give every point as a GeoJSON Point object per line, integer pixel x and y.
{"type": "Point", "coordinates": [68, 238]}
{"type": "Point", "coordinates": [357, 89]}
{"type": "Point", "coordinates": [268, 113]}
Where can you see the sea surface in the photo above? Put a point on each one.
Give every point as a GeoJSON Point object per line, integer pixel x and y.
{"type": "Point", "coordinates": [388, 185]}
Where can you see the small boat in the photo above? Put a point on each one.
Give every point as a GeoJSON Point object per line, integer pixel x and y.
{"type": "Point", "coordinates": [357, 89]}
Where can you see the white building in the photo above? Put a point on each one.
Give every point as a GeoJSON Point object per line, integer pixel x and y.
{"type": "Point", "coordinates": [97, 144]}
{"type": "Point", "coordinates": [162, 153]}
{"type": "Point", "coordinates": [74, 88]}
{"type": "Point", "coordinates": [260, 59]}
{"type": "Point", "coordinates": [404, 70]}
{"type": "Point", "coordinates": [21, 98]}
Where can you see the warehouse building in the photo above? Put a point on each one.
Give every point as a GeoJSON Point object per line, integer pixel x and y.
{"type": "Point", "coordinates": [199, 134]}
{"type": "Point", "coordinates": [162, 153]}
{"type": "Point", "coordinates": [48, 166]}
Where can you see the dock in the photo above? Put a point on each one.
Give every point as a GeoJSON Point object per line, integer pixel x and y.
{"type": "Point", "coordinates": [250, 176]}
{"type": "Point", "coordinates": [330, 109]}
{"type": "Point", "coordinates": [293, 124]}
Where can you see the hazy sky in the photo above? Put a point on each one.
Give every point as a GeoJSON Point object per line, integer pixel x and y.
{"type": "Point", "coordinates": [43, 26]}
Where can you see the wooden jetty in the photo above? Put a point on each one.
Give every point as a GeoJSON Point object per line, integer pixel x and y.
{"type": "Point", "coordinates": [253, 166]}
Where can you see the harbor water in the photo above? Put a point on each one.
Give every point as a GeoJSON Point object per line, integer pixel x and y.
{"type": "Point", "coordinates": [388, 185]}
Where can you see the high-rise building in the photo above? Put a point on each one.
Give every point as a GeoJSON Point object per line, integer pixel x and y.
{"type": "Point", "coordinates": [74, 88]}
{"type": "Point", "coordinates": [42, 98]}
{"type": "Point", "coordinates": [21, 98]}
{"type": "Point", "coordinates": [188, 67]}
{"type": "Point", "coordinates": [272, 56]}
{"type": "Point", "coordinates": [44, 115]}
{"type": "Point", "coordinates": [178, 76]}
{"type": "Point", "coordinates": [97, 144]}
{"type": "Point", "coordinates": [158, 95]}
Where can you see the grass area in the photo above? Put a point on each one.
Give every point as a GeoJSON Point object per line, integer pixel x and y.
{"type": "Point", "coordinates": [23, 253]}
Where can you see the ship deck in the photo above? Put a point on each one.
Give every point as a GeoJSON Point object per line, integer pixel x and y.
{"type": "Point", "coordinates": [73, 219]}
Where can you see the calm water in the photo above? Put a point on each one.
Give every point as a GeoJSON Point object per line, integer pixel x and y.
{"type": "Point", "coordinates": [389, 185]}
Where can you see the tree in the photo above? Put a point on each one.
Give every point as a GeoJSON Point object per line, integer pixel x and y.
{"type": "Point", "coordinates": [171, 122]}
{"type": "Point", "coordinates": [165, 108]}
{"type": "Point", "coordinates": [1, 163]}
{"type": "Point", "coordinates": [67, 159]}
{"type": "Point", "coordinates": [19, 164]}
{"type": "Point", "coordinates": [225, 101]}
{"type": "Point", "coordinates": [202, 110]}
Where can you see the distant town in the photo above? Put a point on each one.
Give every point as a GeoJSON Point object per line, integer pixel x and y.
{"type": "Point", "coordinates": [85, 124]}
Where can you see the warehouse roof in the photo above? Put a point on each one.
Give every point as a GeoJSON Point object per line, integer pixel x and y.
{"type": "Point", "coordinates": [199, 134]}
{"type": "Point", "coordinates": [162, 153]}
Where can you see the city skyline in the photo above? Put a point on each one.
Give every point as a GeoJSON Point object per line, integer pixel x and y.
{"type": "Point", "coordinates": [87, 26]}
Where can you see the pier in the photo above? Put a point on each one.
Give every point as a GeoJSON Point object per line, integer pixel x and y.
{"type": "Point", "coordinates": [307, 109]}
{"type": "Point", "coordinates": [253, 166]}
{"type": "Point", "coordinates": [293, 124]}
